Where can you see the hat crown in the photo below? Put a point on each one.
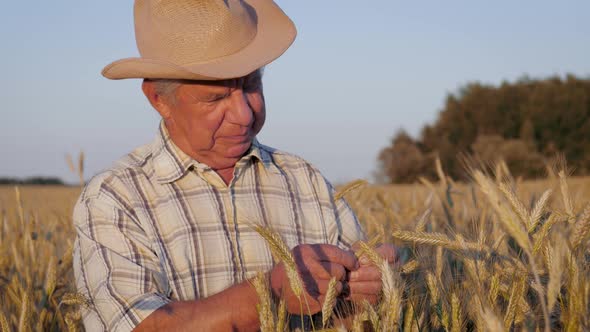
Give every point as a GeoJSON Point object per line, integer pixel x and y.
{"type": "Point", "coordinates": [192, 31]}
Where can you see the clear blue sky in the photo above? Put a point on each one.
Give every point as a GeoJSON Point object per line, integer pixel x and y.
{"type": "Point", "coordinates": [358, 71]}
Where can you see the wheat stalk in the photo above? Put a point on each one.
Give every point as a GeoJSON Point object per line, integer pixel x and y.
{"type": "Point", "coordinates": [581, 228]}
{"type": "Point", "coordinates": [4, 327]}
{"type": "Point", "coordinates": [435, 239]}
{"type": "Point", "coordinates": [517, 231]}
{"type": "Point", "coordinates": [357, 323]}
{"type": "Point", "coordinates": [372, 315]}
{"type": "Point", "coordinates": [329, 301]}
{"type": "Point", "coordinates": [436, 264]}
{"type": "Point", "coordinates": [370, 253]}
{"type": "Point", "coordinates": [281, 315]}
{"type": "Point", "coordinates": [75, 299]}
{"type": "Point", "coordinates": [349, 187]}
{"type": "Point", "coordinates": [456, 314]}
{"type": "Point", "coordinates": [391, 303]}
{"type": "Point", "coordinates": [409, 267]}
{"type": "Point", "coordinates": [514, 228]}
{"type": "Point", "coordinates": [19, 204]}
{"type": "Point", "coordinates": [408, 322]}
{"type": "Point", "coordinates": [391, 281]}
{"type": "Point", "coordinates": [555, 270]}
{"type": "Point", "coordinates": [70, 163]}
{"type": "Point", "coordinates": [264, 307]}
{"type": "Point", "coordinates": [537, 212]}
{"type": "Point", "coordinates": [543, 232]}
{"type": "Point", "coordinates": [282, 253]}
{"type": "Point", "coordinates": [421, 224]}
{"type": "Point", "coordinates": [51, 277]}
{"type": "Point", "coordinates": [518, 287]}
{"type": "Point", "coordinates": [25, 313]}
{"type": "Point", "coordinates": [494, 289]}
{"type": "Point", "coordinates": [517, 205]}
{"type": "Point", "coordinates": [441, 174]}
{"type": "Point", "coordinates": [567, 202]}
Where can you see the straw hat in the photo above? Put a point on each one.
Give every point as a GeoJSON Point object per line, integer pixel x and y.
{"type": "Point", "coordinates": [204, 39]}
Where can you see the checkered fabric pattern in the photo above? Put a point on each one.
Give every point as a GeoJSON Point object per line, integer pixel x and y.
{"type": "Point", "coordinates": [160, 226]}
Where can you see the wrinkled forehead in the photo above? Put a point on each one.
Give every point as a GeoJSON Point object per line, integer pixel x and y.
{"type": "Point", "coordinates": [230, 83]}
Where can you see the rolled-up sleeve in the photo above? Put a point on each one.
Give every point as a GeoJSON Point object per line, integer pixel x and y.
{"type": "Point", "coordinates": [343, 226]}
{"type": "Point", "coordinates": [348, 227]}
{"type": "Point", "coordinates": [115, 266]}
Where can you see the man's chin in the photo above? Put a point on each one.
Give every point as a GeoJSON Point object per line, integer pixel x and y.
{"type": "Point", "coordinates": [236, 151]}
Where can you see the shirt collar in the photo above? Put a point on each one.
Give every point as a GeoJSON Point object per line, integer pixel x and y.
{"type": "Point", "coordinates": [171, 163]}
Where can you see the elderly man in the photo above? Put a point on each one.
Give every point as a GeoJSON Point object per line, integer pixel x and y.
{"type": "Point", "coordinates": [165, 239]}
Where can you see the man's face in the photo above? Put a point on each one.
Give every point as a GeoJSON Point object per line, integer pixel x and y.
{"type": "Point", "coordinates": [217, 120]}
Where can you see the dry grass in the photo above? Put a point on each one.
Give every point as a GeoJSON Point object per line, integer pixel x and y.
{"type": "Point", "coordinates": [495, 254]}
{"type": "Point", "coordinates": [36, 238]}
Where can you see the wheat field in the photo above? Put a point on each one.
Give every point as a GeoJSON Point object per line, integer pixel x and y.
{"type": "Point", "coordinates": [491, 255]}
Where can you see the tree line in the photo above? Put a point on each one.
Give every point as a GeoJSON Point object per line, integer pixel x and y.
{"type": "Point", "coordinates": [35, 180]}
{"type": "Point", "coordinates": [526, 123]}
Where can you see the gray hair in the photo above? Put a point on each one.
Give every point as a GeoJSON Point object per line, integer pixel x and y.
{"type": "Point", "coordinates": [167, 87]}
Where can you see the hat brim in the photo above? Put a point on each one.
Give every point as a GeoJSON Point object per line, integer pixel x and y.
{"type": "Point", "coordinates": [275, 33]}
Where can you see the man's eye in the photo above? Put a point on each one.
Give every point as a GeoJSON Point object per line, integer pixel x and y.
{"type": "Point", "coordinates": [214, 98]}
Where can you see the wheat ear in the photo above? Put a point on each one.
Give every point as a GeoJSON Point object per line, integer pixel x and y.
{"type": "Point", "coordinates": [349, 187]}
{"type": "Point", "coordinates": [555, 271]}
{"type": "Point", "coordinates": [456, 314]}
{"type": "Point", "coordinates": [392, 298]}
{"type": "Point", "coordinates": [51, 277]}
{"type": "Point", "coordinates": [4, 327]}
{"type": "Point", "coordinates": [372, 314]}
{"type": "Point", "coordinates": [329, 301]}
{"type": "Point", "coordinates": [282, 315]}
{"type": "Point", "coordinates": [516, 203]}
{"type": "Point", "coordinates": [582, 227]}
{"type": "Point", "coordinates": [567, 202]}
{"type": "Point", "coordinates": [264, 306]}
{"type": "Point", "coordinates": [421, 224]}
{"type": "Point", "coordinates": [75, 299]}
{"type": "Point", "coordinates": [391, 304]}
{"type": "Point", "coordinates": [409, 267]}
{"type": "Point", "coordinates": [25, 313]}
{"type": "Point", "coordinates": [282, 253]}
{"type": "Point", "coordinates": [537, 212]}
{"type": "Point", "coordinates": [518, 288]}
{"type": "Point", "coordinates": [435, 239]}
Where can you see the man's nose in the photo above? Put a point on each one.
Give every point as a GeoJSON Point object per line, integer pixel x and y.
{"type": "Point", "coordinates": [240, 112]}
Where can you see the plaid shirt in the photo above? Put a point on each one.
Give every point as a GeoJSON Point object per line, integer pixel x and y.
{"type": "Point", "coordinates": [160, 226]}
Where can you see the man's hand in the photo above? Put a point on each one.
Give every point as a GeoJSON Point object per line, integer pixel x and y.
{"type": "Point", "coordinates": [365, 282]}
{"type": "Point", "coordinates": [316, 264]}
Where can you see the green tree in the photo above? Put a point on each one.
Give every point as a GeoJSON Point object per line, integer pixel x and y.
{"type": "Point", "coordinates": [535, 118]}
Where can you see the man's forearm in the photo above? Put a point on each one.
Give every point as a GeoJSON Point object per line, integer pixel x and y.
{"type": "Point", "coordinates": [233, 309]}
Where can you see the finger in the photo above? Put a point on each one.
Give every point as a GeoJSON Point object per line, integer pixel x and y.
{"type": "Point", "coordinates": [326, 270]}
{"type": "Point", "coordinates": [365, 287]}
{"type": "Point", "coordinates": [331, 253]}
{"type": "Point", "coordinates": [388, 251]}
{"type": "Point", "coordinates": [366, 273]}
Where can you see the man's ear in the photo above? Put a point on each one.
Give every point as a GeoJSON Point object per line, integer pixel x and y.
{"type": "Point", "coordinates": [157, 101]}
